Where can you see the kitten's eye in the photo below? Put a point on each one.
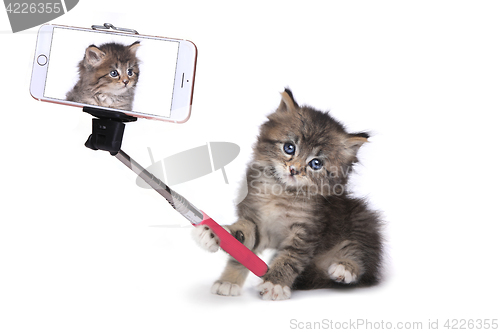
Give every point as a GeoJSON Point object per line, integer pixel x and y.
{"type": "Point", "coordinates": [130, 72]}
{"type": "Point", "coordinates": [113, 73]}
{"type": "Point", "coordinates": [315, 164]}
{"type": "Point", "coordinates": [289, 148]}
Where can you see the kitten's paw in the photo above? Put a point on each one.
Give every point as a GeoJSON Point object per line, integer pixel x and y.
{"type": "Point", "coordinates": [204, 236]}
{"type": "Point", "coordinates": [342, 273]}
{"type": "Point", "coordinates": [274, 292]}
{"type": "Point", "coordinates": [226, 289]}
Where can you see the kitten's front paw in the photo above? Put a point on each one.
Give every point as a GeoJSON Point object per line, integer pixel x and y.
{"type": "Point", "coordinates": [204, 236]}
{"type": "Point", "coordinates": [225, 289]}
{"type": "Point", "coordinates": [274, 292]}
{"type": "Point", "coordinates": [342, 273]}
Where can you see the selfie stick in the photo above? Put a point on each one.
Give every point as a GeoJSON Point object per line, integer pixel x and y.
{"type": "Point", "coordinates": [107, 134]}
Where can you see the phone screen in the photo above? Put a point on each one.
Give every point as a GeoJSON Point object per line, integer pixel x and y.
{"type": "Point", "coordinates": [112, 70]}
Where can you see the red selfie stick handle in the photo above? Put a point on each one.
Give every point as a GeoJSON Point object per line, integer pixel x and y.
{"type": "Point", "coordinates": [237, 250]}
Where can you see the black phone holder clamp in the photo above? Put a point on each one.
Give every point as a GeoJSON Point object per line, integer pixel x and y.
{"type": "Point", "coordinates": [107, 129]}
{"type": "Point", "coordinates": [108, 26]}
{"type": "Point", "coordinates": [107, 134]}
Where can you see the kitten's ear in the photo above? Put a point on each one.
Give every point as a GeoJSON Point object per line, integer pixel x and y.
{"type": "Point", "coordinates": [355, 141]}
{"type": "Point", "coordinates": [287, 101]}
{"type": "Point", "coordinates": [133, 47]}
{"type": "Point", "coordinates": [94, 56]}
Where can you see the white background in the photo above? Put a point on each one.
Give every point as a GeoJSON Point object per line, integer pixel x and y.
{"type": "Point", "coordinates": [83, 249]}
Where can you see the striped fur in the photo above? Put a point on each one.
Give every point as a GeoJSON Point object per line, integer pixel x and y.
{"type": "Point", "coordinates": [323, 237]}
{"type": "Point", "coordinates": [108, 76]}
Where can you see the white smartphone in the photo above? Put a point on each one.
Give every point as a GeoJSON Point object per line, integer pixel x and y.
{"type": "Point", "coordinates": [142, 76]}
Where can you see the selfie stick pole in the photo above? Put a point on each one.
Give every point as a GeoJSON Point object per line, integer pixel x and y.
{"type": "Point", "coordinates": [107, 134]}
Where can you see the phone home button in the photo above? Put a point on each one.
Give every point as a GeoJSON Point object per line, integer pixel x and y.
{"type": "Point", "coordinates": [42, 60]}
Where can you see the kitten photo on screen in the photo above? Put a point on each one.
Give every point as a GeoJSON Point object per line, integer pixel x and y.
{"type": "Point", "coordinates": [108, 75]}
{"type": "Point", "coordinates": [298, 205]}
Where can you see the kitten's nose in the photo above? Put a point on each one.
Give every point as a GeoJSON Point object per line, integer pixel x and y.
{"type": "Point", "coordinates": [293, 170]}
{"type": "Point", "coordinates": [126, 82]}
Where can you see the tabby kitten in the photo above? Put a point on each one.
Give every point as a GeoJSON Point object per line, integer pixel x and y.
{"type": "Point", "coordinates": [297, 204]}
{"type": "Point", "coordinates": [108, 76]}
